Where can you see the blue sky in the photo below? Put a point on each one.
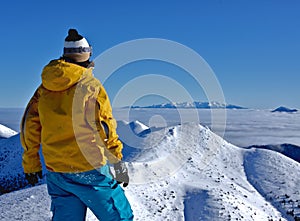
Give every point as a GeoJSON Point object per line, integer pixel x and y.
{"type": "Point", "coordinates": [252, 46]}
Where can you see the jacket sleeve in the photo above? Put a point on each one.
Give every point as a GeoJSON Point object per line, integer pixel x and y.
{"type": "Point", "coordinates": [30, 136]}
{"type": "Point", "coordinates": [108, 124]}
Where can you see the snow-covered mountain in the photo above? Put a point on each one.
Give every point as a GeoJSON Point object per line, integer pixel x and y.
{"type": "Point", "coordinates": [135, 126]}
{"type": "Point", "coordinates": [184, 172]}
{"type": "Point", "coordinates": [6, 132]}
{"type": "Point", "coordinates": [284, 109]}
{"type": "Point", "coordinates": [195, 104]}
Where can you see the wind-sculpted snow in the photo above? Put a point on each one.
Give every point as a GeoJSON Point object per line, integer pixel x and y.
{"type": "Point", "coordinates": [186, 172]}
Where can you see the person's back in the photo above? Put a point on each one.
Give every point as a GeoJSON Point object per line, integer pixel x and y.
{"type": "Point", "coordinates": [63, 116]}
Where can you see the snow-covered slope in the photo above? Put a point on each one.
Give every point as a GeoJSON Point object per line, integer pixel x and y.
{"type": "Point", "coordinates": [275, 177]}
{"type": "Point", "coordinates": [186, 172]}
{"type": "Point", "coordinates": [212, 184]}
{"type": "Point", "coordinates": [11, 175]}
{"type": "Point", "coordinates": [6, 132]}
{"type": "Point", "coordinates": [11, 171]}
{"type": "Point", "coordinates": [290, 150]}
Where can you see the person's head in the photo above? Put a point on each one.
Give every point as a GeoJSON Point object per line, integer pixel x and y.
{"type": "Point", "coordinates": [76, 47]}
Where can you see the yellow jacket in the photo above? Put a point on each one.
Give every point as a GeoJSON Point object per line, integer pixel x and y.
{"type": "Point", "coordinates": [71, 117]}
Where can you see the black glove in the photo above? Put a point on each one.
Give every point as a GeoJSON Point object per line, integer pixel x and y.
{"type": "Point", "coordinates": [121, 173]}
{"type": "Point", "coordinates": [33, 178]}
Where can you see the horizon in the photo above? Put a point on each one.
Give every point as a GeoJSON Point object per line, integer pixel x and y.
{"type": "Point", "coordinates": [251, 48]}
{"type": "Point", "coordinates": [146, 105]}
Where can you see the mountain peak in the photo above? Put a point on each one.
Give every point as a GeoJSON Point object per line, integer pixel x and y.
{"type": "Point", "coordinates": [284, 109]}
{"type": "Point", "coordinates": [6, 132]}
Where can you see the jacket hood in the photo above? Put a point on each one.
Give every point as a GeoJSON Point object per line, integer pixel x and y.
{"type": "Point", "coordinates": [60, 75]}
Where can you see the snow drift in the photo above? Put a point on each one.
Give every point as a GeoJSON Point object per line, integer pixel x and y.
{"type": "Point", "coordinates": [186, 172]}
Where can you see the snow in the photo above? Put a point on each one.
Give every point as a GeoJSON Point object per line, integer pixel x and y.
{"type": "Point", "coordinates": [182, 172]}
{"type": "Point", "coordinates": [29, 204]}
{"type": "Point", "coordinates": [6, 132]}
{"type": "Point", "coordinates": [11, 175]}
{"type": "Point", "coordinates": [276, 177]}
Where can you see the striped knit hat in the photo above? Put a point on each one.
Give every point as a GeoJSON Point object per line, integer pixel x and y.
{"type": "Point", "coordinates": [76, 47]}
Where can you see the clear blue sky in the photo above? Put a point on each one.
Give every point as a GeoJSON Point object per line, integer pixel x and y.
{"type": "Point", "coordinates": [253, 46]}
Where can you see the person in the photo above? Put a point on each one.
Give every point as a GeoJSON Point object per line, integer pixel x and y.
{"type": "Point", "coordinates": [70, 118]}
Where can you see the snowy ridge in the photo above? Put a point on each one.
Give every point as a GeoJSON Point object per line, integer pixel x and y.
{"type": "Point", "coordinates": [6, 132]}
{"type": "Point", "coordinates": [187, 172]}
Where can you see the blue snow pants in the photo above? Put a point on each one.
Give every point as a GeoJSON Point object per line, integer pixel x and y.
{"type": "Point", "coordinates": [72, 193]}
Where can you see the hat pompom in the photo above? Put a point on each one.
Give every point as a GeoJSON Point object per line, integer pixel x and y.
{"type": "Point", "coordinates": [73, 35]}
{"type": "Point", "coordinates": [73, 32]}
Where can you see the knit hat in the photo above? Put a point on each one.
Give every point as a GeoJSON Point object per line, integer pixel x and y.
{"type": "Point", "coordinates": [76, 47]}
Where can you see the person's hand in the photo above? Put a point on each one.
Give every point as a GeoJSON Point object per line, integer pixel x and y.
{"type": "Point", "coordinates": [33, 178]}
{"type": "Point", "coordinates": [121, 173]}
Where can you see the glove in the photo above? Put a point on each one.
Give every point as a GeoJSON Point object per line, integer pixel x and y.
{"type": "Point", "coordinates": [121, 173]}
{"type": "Point", "coordinates": [33, 178]}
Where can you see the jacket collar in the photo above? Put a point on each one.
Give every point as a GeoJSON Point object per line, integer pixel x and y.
{"type": "Point", "coordinates": [60, 75]}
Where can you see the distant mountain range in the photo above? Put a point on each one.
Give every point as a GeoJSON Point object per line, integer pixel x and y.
{"type": "Point", "coordinates": [195, 104]}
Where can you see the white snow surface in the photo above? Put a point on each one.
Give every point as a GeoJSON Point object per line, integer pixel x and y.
{"type": "Point", "coordinates": [6, 132]}
{"type": "Point", "coordinates": [186, 172]}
